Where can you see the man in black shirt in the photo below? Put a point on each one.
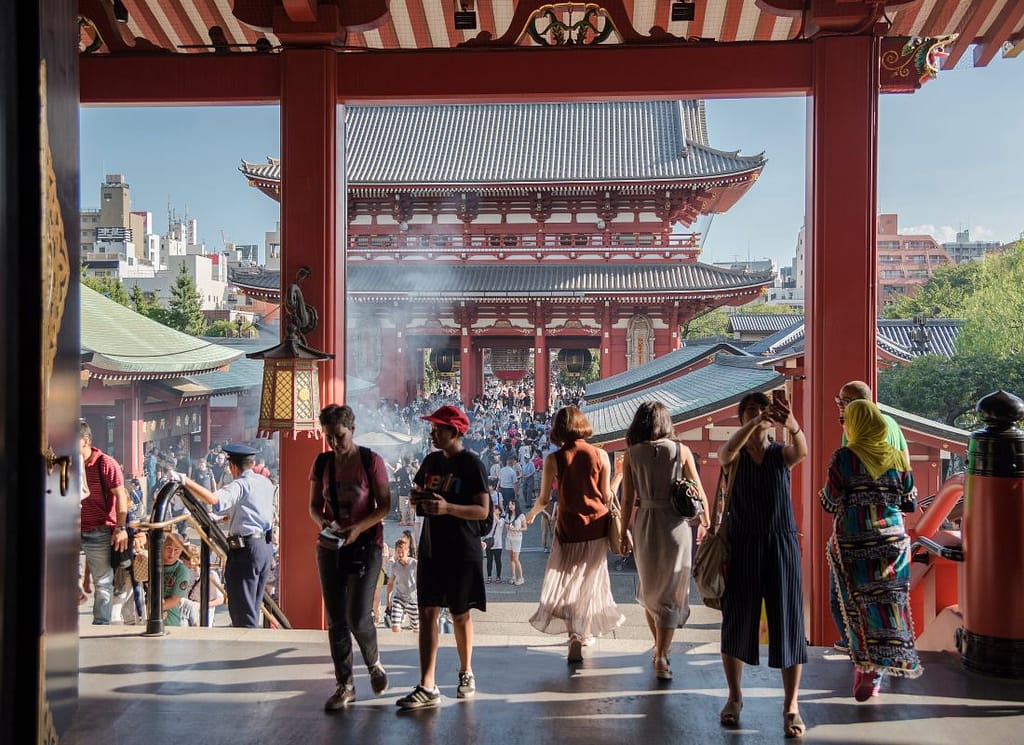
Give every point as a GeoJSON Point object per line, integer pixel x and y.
{"type": "Point", "coordinates": [451, 493]}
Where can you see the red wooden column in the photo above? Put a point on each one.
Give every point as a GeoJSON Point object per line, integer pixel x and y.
{"type": "Point", "coordinates": [841, 263]}
{"type": "Point", "coordinates": [606, 340]}
{"type": "Point", "coordinates": [541, 362]}
{"type": "Point", "coordinates": [469, 372]}
{"type": "Point", "coordinates": [310, 226]}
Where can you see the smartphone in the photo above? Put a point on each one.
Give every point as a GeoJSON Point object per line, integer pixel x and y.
{"type": "Point", "coordinates": [420, 497]}
{"type": "Point", "coordinates": [780, 406]}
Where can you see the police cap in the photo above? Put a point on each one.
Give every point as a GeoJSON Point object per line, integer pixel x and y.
{"type": "Point", "coordinates": [238, 450]}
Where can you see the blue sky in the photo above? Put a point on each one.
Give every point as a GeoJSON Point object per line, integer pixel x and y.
{"type": "Point", "coordinates": [950, 156]}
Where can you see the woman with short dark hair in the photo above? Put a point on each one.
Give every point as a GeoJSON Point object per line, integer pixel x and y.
{"type": "Point", "coordinates": [576, 596]}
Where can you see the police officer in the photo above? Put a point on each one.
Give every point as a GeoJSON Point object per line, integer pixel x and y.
{"type": "Point", "coordinates": [249, 502]}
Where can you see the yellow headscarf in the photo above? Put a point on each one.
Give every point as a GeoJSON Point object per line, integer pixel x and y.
{"type": "Point", "coordinates": [866, 434]}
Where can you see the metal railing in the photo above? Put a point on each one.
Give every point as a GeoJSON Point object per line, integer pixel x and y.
{"type": "Point", "coordinates": [212, 538]}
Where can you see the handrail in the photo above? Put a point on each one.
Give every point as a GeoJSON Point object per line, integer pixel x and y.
{"type": "Point", "coordinates": [211, 534]}
{"type": "Point", "coordinates": [952, 553]}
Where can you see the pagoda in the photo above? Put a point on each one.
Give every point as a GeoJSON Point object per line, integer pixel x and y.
{"type": "Point", "coordinates": [532, 235]}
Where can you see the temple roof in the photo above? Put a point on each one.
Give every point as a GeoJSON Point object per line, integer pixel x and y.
{"type": "Point", "coordinates": [658, 368]}
{"type": "Point", "coordinates": [895, 336]}
{"type": "Point", "coordinates": [532, 144]}
{"type": "Point", "coordinates": [527, 280]}
{"type": "Point", "coordinates": [118, 343]}
{"type": "Point", "coordinates": [760, 323]}
{"type": "Point", "coordinates": [710, 388]}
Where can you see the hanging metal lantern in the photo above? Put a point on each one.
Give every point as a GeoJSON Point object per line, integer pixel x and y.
{"type": "Point", "coordinates": [574, 361]}
{"type": "Point", "coordinates": [443, 360]}
{"type": "Point", "coordinates": [290, 396]}
{"type": "Point", "coordinates": [511, 364]}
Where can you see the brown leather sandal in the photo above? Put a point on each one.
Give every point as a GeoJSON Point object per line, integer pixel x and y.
{"type": "Point", "coordinates": [730, 714]}
{"type": "Point", "coordinates": [793, 725]}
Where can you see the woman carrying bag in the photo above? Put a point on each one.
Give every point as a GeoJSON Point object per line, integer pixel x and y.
{"type": "Point", "coordinates": [662, 539]}
{"type": "Point", "coordinates": [764, 555]}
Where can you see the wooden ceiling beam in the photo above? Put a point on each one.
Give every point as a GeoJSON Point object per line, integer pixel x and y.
{"type": "Point", "coordinates": [969, 31]}
{"type": "Point", "coordinates": [520, 75]}
{"type": "Point", "coordinates": [998, 33]}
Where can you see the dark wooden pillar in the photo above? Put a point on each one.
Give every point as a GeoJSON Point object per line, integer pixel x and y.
{"type": "Point", "coordinates": [311, 123]}
{"type": "Point", "coordinates": [841, 258]}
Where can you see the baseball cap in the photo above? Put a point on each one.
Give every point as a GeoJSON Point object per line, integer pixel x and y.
{"type": "Point", "coordinates": [450, 416]}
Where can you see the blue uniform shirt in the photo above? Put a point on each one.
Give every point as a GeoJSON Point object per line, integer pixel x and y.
{"type": "Point", "coordinates": [250, 498]}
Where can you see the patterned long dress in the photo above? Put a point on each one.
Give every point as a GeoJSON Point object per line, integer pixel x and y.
{"type": "Point", "coordinates": [869, 557]}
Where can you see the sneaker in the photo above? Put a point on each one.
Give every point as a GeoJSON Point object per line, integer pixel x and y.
{"type": "Point", "coordinates": [467, 685]}
{"type": "Point", "coordinates": [341, 698]}
{"type": "Point", "coordinates": [575, 650]}
{"type": "Point", "coordinates": [420, 698]}
{"type": "Point", "coordinates": [378, 679]}
{"type": "Point", "coordinates": [841, 646]}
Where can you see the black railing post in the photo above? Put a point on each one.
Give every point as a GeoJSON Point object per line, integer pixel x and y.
{"type": "Point", "coordinates": [155, 596]}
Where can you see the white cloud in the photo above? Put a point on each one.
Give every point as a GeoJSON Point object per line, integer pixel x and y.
{"type": "Point", "coordinates": [943, 234]}
{"type": "Point", "coordinates": [947, 233]}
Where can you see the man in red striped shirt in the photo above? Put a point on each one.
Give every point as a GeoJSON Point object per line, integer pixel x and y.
{"type": "Point", "coordinates": [104, 512]}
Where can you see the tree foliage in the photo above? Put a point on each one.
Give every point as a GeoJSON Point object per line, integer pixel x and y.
{"type": "Point", "coordinates": [111, 287]}
{"type": "Point", "coordinates": [990, 347]}
{"type": "Point", "coordinates": [185, 311]}
{"type": "Point", "coordinates": [995, 310]}
{"type": "Point", "coordinates": [947, 390]}
{"type": "Point", "coordinates": [711, 322]}
{"type": "Point", "coordinates": [944, 295]}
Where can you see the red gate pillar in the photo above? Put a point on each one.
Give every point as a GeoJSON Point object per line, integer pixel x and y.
{"type": "Point", "coordinates": [469, 372]}
{"type": "Point", "coordinates": [310, 126]}
{"type": "Point", "coordinates": [841, 263]}
{"type": "Point", "coordinates": [541, 372]}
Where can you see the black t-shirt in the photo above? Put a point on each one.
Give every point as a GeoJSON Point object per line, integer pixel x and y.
{"type": "Point", "coordinates": [458, 479]}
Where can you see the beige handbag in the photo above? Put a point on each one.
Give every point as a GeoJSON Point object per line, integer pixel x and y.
{"type": "Point", "coordinates": [711, 562]}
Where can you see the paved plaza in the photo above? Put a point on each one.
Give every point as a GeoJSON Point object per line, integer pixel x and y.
{"type": "Point", "coordinates": [225, 686]}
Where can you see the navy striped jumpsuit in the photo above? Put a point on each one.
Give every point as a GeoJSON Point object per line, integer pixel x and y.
{"type": "Point", "coordinates": [764, 563]}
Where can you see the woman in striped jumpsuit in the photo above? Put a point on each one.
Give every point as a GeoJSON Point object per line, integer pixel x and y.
{"type": "Point", "coordinates": [764, 558]}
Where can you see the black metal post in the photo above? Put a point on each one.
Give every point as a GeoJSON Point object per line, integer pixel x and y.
{"type": "Point", "coordinates": [155, 596]}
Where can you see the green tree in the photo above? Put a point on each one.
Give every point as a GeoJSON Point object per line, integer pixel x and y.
{"type": "Point", "coordinates": [185, 311]}
{"type": "Point", "coordinates": [947, 390]}
{"type": "Point", "coordinates": [995, 310]}
{"type": "Point", "coordinates": [944, 295]}
{"type": "Point", "coordinates": [111, 287]}
{"type": "Point", "coordinates": [712, 322]}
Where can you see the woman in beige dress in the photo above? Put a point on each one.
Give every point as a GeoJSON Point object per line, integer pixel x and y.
{"type": "Point", "coordinates": [662, 540]}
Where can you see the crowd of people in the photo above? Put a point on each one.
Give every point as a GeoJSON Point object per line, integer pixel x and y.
{"type": "Point", "coordinates": [490, 472]}
{"type": "Point", "coordinates": [466, 500]}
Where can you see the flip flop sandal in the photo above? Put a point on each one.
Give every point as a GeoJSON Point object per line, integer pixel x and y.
{"type": "Point", "coordinates": [793, 725]}
{"type": "Point", "coordinates": [730, 714]}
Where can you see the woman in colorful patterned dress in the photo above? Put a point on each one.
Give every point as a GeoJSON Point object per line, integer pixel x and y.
{"type": "Point", "coordinates": [869, 552]}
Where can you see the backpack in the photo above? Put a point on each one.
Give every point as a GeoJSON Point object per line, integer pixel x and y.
{"type": "Point", "coordinates": [365, 456]}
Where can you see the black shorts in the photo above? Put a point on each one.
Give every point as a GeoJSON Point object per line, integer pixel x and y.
{"type": "Point", "coordinates": [455, 585]}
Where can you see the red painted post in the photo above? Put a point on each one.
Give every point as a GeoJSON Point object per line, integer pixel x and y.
{"type": "Point", "coordinates": [841, 258]}
{"type": "Point", "coordinates": [310, 228]}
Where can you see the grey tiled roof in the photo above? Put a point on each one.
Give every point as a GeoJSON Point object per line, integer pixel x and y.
{"type": "Point", "coordinates": [657, 368]}
{"type": "Point", "coordinates": [894, 336]}
{"type": "Point", "coordinates": [125, 344]}
{"type": "Point", "coordinates": [763, 323]}
{"type": "Point", "coordinates": [538, 143]}
{"type": "Point", "coordinates": [898, 334]}
{"type": "Point", "coordinates": [782, 341]}
{"type": "Point", "coordinates": [917, 423]}
{"type": "Point", "coordinates": [722, 383]}
{"type": "Point", "coordinates": [433, 279]}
